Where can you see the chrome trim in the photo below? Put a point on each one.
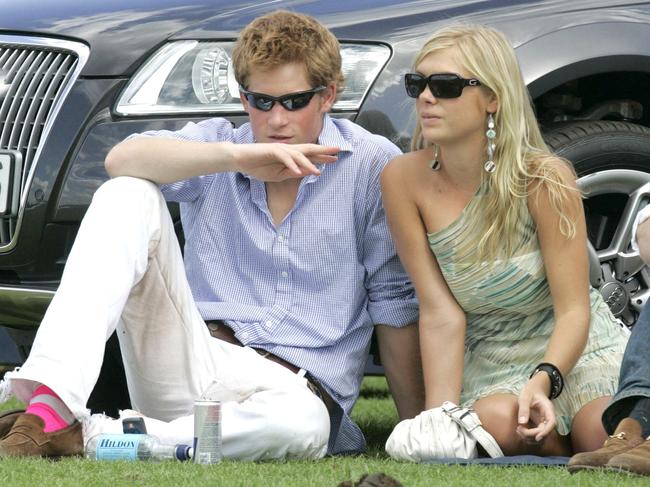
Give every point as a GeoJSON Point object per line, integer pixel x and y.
{"type": "Point", "coordinates": [82, 52]}
{"type": "Point", "coordinates": [23, 307]}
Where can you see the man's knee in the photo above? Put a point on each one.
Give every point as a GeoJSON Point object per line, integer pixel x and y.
{"type": "Point", "coordinates": [302, 428]}
{"type": "Point", "coordinates": [124, 197]}
{"type": "Point", "coordinates": [125, 187]}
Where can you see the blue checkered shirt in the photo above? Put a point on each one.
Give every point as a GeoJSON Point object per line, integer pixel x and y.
{"type": "Point", "coordinates": [310, 289]}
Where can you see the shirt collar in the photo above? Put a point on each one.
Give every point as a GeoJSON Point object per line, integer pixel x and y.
{"type": "Point", "coordinates": [330, 136]}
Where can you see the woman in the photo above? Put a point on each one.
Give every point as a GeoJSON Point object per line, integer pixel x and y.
{"type": "Point", "coordinates": [492, 232]}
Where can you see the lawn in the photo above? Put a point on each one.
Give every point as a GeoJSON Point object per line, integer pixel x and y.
{"type": "Point", "coordinates": [375, 414]}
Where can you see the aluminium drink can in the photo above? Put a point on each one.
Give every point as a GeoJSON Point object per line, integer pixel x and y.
{"type": "Point", "coordinates": [207, 431]}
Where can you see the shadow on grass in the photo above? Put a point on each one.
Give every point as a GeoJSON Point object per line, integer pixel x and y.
{"type": "Point", "coordinates": [374, 393]}
{"type": "Point", "coordinates": [376, 436]}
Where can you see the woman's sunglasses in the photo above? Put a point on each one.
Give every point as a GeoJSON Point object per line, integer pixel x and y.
{"type": "Point", "coordinates": [291, 101]}
{"type": "Point", "coordinates": [444, 85]}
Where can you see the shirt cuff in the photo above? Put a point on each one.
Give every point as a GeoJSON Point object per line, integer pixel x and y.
{"type": "Point", "coordinates": [394, 313]}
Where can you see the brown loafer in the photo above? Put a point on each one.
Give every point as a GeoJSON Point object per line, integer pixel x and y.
{"type": "Point", "coordinates": [636, 460]}
{"type": "Point", "coordinates": [626, 437]}
{"type": "Point", "coordinates": [27, 438]}
{"type": "Point", "coordinates": [7, 420]}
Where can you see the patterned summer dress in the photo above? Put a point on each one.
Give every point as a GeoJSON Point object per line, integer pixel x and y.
{"type": "Point", "coordinates": [510, 320]}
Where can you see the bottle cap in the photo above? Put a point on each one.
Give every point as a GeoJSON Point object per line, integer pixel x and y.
{"type": "Point", "coordinates": [183, 452]}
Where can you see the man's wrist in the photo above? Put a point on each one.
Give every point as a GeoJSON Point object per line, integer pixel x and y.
{"type": "Point", "coordinates": [226, 157]}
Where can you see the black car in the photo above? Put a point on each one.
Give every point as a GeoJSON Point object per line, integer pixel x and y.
{"type": "Point", "coordinates": [76, 77]}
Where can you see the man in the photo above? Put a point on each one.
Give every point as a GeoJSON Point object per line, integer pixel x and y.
{"type": "Point", "coordinates": [628, 415]}
{"type": "Point", "coordinates": [287, 253]}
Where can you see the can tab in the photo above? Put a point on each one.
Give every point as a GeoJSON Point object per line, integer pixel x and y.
{"type": "Point", "coordinates": [134, 426]}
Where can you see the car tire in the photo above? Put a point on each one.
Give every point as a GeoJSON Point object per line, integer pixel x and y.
{"type": "Point", "coordinates": [612, 161]}
{"type": "Point", "coordinates": [599, 145]}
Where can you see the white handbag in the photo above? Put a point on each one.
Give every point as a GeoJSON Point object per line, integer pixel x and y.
{"type": "Point", "coordinates": [448, 431]}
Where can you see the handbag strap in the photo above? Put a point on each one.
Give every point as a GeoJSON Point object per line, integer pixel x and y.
{"type": "Point", "coordinates": [468, 419]}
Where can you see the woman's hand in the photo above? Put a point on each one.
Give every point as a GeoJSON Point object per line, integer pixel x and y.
{"type": "Point", "coordinates": [536, 415]}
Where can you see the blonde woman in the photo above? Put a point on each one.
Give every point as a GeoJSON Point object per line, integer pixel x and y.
{"type": "Point", "coordinates": [490, 227]}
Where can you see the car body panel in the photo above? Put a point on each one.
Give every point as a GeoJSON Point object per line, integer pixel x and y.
{"type": "Point", "coordinates": [556, 42]}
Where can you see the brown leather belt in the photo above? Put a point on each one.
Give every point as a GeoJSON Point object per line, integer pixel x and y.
{"type": "Point", "coordinates": [223, 332]}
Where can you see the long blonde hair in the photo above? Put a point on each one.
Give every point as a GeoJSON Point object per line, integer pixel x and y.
{"type": "Point", "coordinates": [521, 155]}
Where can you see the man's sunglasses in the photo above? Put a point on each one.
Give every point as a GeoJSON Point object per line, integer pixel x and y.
{"type": "Point", "coordinates": [443, 85]}
{"type": "Point", "coordinates": [291, 101]}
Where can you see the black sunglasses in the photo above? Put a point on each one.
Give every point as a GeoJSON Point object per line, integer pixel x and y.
{"type": "Point", "coordinates": [443, 85]}
{"type": "Point", "coordinates": [290, 101]}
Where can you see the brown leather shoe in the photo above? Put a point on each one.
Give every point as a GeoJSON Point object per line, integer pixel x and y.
{"type": "Point", "coordinates": [7, 420]}
{"type": "Point", "coordinates": [626, 437]}
{"type": "Point", "coordinates": [636, 460]}
{"type": "Point", "coordinates": [26, 438]}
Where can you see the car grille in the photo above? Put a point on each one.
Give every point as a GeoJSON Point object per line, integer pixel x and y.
{"type": "Point", "coordinates": [35, 76]}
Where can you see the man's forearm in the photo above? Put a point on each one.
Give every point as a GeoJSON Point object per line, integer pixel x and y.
{"type": "Point", "coordinates": [164, 160]}
{"type": "Point", "coordinates": [400, 355]}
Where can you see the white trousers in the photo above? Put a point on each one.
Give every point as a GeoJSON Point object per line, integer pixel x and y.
{"type": "Point", "coordinates": [126, 272]}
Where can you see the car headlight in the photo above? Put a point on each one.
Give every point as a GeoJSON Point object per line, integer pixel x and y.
{"type": "Point", "coordinates": [193, 76]}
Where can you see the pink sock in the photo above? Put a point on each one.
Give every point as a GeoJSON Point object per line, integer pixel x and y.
{"type": "Point", "coordinates": [50, 408]}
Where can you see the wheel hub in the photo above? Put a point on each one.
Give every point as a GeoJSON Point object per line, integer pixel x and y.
{"type": "Point", "coordinates": [624, 280]}
{"type": "Point", "coordinates": [616, 297]}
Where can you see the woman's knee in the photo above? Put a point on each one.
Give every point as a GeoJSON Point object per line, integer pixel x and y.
{"type": "Point", "coordinates": [498, 414]}
{"type": "Point", "coordinates": [587, 431]}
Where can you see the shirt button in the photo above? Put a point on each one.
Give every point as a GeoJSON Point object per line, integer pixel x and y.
{"type": "Point", "coordinates": [269, 323]}
{"type": "Point", "coordinates": [285, 274]}
{"type": "Point", "coordinates": [244, 334]}
{"type": "Point", "coordinates": [280, 238]}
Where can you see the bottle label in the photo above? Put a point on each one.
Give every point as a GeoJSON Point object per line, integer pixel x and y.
{"type": "Point", "coordinates": [118, 447]}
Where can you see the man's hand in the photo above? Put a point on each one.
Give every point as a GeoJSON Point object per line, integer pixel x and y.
{"type": "Point", "coordinates": [536, 415]}
{"type": "Point", "coordinates": [276, 162]}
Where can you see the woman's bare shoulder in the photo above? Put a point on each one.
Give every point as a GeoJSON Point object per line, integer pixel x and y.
{"type": "Point", "coordinates": [407, 166]}
{"type": "Point", "coordinates": [554, 185]}
{"type": "Point", "coordinates": [550, 163]}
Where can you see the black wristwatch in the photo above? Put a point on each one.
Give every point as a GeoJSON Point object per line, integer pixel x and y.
{"type": "Point", "coordinates": [557, 381]}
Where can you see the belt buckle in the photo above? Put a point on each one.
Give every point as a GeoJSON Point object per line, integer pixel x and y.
{"type": "Point", "coordinates": [262, 353]}
{"type": "Point", "coordinates": [313, 388]}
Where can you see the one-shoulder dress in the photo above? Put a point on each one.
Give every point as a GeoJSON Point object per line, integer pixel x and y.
{"type": "Point", "coordinates": [510, 320]}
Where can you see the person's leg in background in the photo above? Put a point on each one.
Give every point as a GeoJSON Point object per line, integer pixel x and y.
{"type": "Point", "coordinates": [627, 417]}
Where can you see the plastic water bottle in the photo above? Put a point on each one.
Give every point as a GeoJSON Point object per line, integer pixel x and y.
{"type": "Point", "coordinates": [111, 447]}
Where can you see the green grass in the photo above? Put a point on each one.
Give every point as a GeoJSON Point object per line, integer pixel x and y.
{"type": "Point", "coordinates": [375, 414]}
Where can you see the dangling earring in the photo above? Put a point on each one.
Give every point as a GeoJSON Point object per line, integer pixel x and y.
{"type": "Point", "coordinates": [435, 163]}
{"type": "Point", "coordinates": [491, 134]}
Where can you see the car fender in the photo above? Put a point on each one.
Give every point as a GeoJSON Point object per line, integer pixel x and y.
{"type": "Point", "coordinates": [581, 50]}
